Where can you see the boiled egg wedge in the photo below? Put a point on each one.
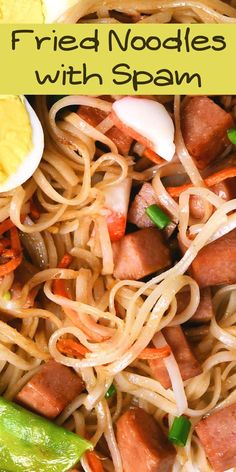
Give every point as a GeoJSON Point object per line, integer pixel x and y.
{"type": "Point", "coordinates": [34, 11]}
{"type": "Point", "coordinates": [148, 122]}
{"type": "Point", "coordinates": [21, 141]}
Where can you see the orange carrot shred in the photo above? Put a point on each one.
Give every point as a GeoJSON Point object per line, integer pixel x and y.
{"type": "Point", "coordinates": [221, 175]}
{"type": "Point", "coordinates": [70, 348]}
{"type": "Point", "coordinates": [34, 212]}
{"type": "Point", "coordinates": [155, 353]}
{"type": "Point", "coordinates": [94, 462]}
{"type": "Point", "coordinates": [211, 180]}
{"type": "Point", "coordinates": [4, 243]}
{"type": "Point", "coordinates": [15, 240]}
{"type": "Point", "coordinates": [65, 261]}
{"type": "Point", "coordinates": [59, 287]}
{"type": "Point", "coordinates": [5, 226]}
{"type": "Point", "coordinates": [150, 154]}
{"type": "Point", "coordinates": [14, 253]}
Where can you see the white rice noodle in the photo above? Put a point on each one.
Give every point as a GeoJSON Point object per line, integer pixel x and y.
{"type": "Point", "coordinates": [174, 374]}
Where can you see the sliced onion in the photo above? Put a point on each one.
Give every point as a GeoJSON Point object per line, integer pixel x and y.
{"type": "Point", "coordinates": [175, 375]}
{"type": "Point", "coordinates": [35, 246]}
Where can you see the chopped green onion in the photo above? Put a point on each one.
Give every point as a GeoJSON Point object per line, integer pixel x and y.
{"type": "Point", "coordinates": [158, 216]}
{"type": "Point", "coordinates": [179, 431]}
{"type": "Point", "coordinates": [111, 391]}
{"type": "Point", "coordinates": [7, 296]}
{"type": "Point", "coordinates": [232, 135]}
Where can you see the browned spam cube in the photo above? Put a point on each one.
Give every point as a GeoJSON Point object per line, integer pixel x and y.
{"type": "Point", "coordinates": [137, 212]}
{"type": "Point", "coordinates": [204, 312]}
{"type": "Point", "coordinates": [188, 364]}
{"type": "Point", "coordinates": [142, 444]}
{"type": "Point", "coordinates": [51, 389]}
{"type": "Point", "coordinates": [215, 264]}
{"type": "Point", "coordinates": [226, 190]}
{"type": "Point", "coordinates": [139, 254]}
{"type": "Point", "coordinates": [217, 433]}
{"type": "Point", "coordinates": [94, 116]}
{"type": "Point", "coordinates": [204, 127]}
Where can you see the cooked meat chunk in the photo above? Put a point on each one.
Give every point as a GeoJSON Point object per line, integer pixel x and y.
{"type": "Point", "coordinates": [142, 444]}
{"type": "Point", "coordinates": [137, 213]}
{"type": "Point", "coordinates": [215, 264]}
{"type": "Point", "coordinates": [51, 389]}
{"type": "Point", "coordinates": [139, 254]}
{"type": "Point", "coordinates": [217, 434]}
{"type": "Point", "coordinates": [204, 128]}
{"type": "Point", "coordinates": [188, 365]}
{"type": "Point", "coordinates": [204, 312]}
{"type": "Point", "coordinates": [226, 190]}
{"type": "Point", "coordinates": [94, 116]}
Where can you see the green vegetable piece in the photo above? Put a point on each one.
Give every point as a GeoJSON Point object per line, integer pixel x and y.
{"type": "Point", "coordinates": [232, 135]}
{"type": "Point", "coordinates": [7, 296]}
{"type": "Point", "coordinates": [158, 217]}
{"type": "Point", "coordinates": [179, 431]}
{"type": "Point", "coordinates": [29, 443]}
{"type": "Point", "coordinates": [111, 391]}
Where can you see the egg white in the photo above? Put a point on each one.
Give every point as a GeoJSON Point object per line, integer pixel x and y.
{"type": "Point", "coordinates": [53, 9]}
{"type": "Point", "coordinates": [151, 120]}
{"type": "Point", "coordinates": [31, 161]}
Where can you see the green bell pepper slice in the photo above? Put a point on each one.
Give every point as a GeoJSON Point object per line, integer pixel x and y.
{"type": "Point", "coordinates": [29, 443]}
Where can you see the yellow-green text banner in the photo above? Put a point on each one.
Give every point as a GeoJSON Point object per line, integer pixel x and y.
{"type": "Point", "coordinates": [118, 59]}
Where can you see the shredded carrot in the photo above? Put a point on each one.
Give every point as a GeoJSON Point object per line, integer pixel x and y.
{"type": "Point", "coordinates": [149, 154]}
{"type": "Point", "coordinates": [5, 226]}
{"type": "Point", "coordinates": [9, 253]}
{"type": "Point", "coordinates": [94, 462]}
{"type": "Point", "coordinates": [70, 347]}
{"type": "Point", "coordinates": [65, 261]}
{"type": "Point", "coordinates": [10, 266]}
{"type": "Point", "coordinates": [59, 287]}
{"type": "Point", "coordinates": [34, 211]}
{"type": "Point", "coordinates": [14, 253]}
{"type": "Point", "coordinates": [155, 353]}
{"type": "Point", "coordinates": [213, 179]}
{"type": "Point", "coordinates": [221, 175]}
{"type": "Point", "coordinates": [15, 240]}
{"type": "Point", "coordinates": [4, 243]}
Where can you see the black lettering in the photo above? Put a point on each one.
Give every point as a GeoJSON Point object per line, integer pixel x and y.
{"type": "Point", "coordinates": [174, 42]}
{"type": "Point", "coordinates": [47, 78]}
{"type": "Point", "coordinates": [164, 77]}
{"type": "Point", "coordinates": [91, 43]}
{"type": "Point", "coordinates": [15, 39]}
{"type": "Point", "coordinates": [186, 39]}
{"type": "Point", "coordinates": [71, 73]}
{"type": "Point", "coordinates": [188, 78]}
{"type": "Point", "coordinates": [114, 35]}
{"type": "Point", "coordinates": [141, 77]}
{"type": "Point", "coordinates": [198, 41]}
{"type": "Point", "coordinates": [65, 42]}
{"type": "Point", "coordinates": [221, 40]}
{"type": "Point", "coordinates": [117, 70]}
{"type": "Point", "coordinates": [87, 77]}
{"type": "Point", "coordinates": [134, 43]}
{"type": "Point", "coordinates": [40, 41]}
{"type": "Point", "coordinates": [156, 43]}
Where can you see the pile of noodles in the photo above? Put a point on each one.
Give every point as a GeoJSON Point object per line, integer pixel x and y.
{"type": "Point", "coordinates": [70, 188]}
{"type": "Point", "coordinates": [151, 11]}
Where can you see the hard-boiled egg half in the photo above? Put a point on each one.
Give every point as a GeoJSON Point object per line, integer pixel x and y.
{"type": "Point", "coordinates": [21, 141]}
{"type": "Point", "coordinates": [33, 11]}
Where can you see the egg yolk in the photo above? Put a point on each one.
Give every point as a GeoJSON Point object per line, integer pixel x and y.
{"type": "Point", "coordinates": [21, 11]}
{"type": "Point", "coordinates": [15, 134]}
